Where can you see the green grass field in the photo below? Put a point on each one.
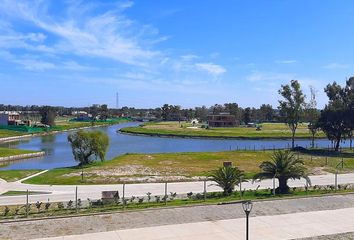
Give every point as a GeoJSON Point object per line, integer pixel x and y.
{"type": "Point", "coordinates": [269, 131]}
{"type": "Point", "coordinates": [14, 175]}
{"type": "Point", "coordinates": [183, 166]}
{"type": "Point", "coordinates": [6, 152]}
{"type": "Point", "coordinates": [20, 193]}
{"type": "Point", "coordinates": [8, 133]}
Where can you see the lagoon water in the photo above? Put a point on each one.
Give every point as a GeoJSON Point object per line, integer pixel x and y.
{"type": "Point", "coordinates": [58, 150]}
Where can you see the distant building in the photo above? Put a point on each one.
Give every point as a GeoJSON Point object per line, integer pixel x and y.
{"type": "Point", "coordinates": [222, 120]}
{"type": "Point", "coordinates": [9, 118]}
{"type": "Point", "coordinates": [194, 121]}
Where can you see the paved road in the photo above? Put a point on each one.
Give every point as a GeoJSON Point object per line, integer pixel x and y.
{"type": "Point", "coordinates": [67, 192]}
{"type": "Point", "coordinates": [278, 227]}
{"type": "Point", "coordinates": [171, 216]}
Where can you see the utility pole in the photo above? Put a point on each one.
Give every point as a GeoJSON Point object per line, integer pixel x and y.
{"type": "Point", "coordinates": [117, 100]}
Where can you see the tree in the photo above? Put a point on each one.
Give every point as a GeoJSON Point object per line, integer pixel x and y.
{"type": "Point", "coordinates": [87, 145]}
{"type": "Point", "coordinates": [48, 115]}
{"type": "Point", "coordinates": [227, 178]}
{"type": "Point", "coordinates": [233, 109]}
{"type": "Point", "coordinates": [201, 113]}
{"type": "Point", "coordinates": [312, 115]}
{"type": "Point", "coordinates": [247, 115]}
{"type": "Point", "coordinates": [217, 109]}
{"type": "Point", "coordinates": [165, 112]}
{"type": "Point", "coordinates": [350, 112]}
{"type": "Point", "coordinates": [266, 112]}
{"type": "Point", "coordinates": [283, 166]}
{"type": "Point", "coordinates": [291, 108]}
{"type": "Point", "coordinates": [336, 118]}
{"type": "Point", "coordinates": [104, 112]}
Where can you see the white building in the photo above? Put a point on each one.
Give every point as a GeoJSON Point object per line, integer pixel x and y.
{"type": "Point", "coordinates": [9, 118]}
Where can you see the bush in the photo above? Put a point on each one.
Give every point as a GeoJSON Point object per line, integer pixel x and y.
{"type": "Point", "coordinates": [6, 211]}
{"type": "Point", "coordinates": [69, 204]}
{"type": "Point", "coordinates": [60, 205]}
{"type": "Point", "coordinates": [38, 206]}
{"type": "Point", "coordinates": [47, 206]}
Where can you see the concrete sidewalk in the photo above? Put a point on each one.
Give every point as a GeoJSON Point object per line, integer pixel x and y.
{"type": "Point", "coordinates": [285, 226]}
{"type": "Point", "coordinates": [67, 192]}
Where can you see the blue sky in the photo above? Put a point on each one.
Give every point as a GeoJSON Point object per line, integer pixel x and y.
{"type": "Point", "coordinates": [190, 53]}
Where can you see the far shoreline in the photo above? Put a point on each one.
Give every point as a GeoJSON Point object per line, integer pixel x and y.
{"type": "Point", "coordinates": [171, 135]}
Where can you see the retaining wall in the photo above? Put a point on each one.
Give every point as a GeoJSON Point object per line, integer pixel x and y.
{"type": "Point", "coordinates": [22, 156]}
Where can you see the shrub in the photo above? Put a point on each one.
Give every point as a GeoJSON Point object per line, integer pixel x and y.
{"type": "Point", "coordinates": [148, 196]}
{"type": "Point", "coordinates": [172, 195]}
{"type": "Point", "coordinates": [60, 205]}
{"type": "Point", "coordinates": [17, 210]}
{"type": "Point", "coordinates": [47, 206]}
{"type": "Point", "coordinates": [6, 211]}
{"type": "Point", "coordinates": [38, 206]}
{"type": "Point", "coordinates": [227, 178]}
{"type": "Point", "coordinates": [69, 204]}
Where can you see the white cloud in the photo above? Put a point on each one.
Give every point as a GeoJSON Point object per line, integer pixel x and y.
{"type": "Point", "coordinates": [108, 35]}
{"type": "Point", "coordinates": [211, 68]}
{"type": "Point", "coordinates": [269, 76]}
{"type": "Point", "coordinates": [336, 66]}
{"type": "Point", "coordinates": [189, 57]}
{"type": "Point", "coordinates": [287, 61]}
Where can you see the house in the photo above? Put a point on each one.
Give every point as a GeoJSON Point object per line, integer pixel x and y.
{"type": "Point", "coordinates": [9, 118]}
{"type": "Point", "coordinates": [222, 120]}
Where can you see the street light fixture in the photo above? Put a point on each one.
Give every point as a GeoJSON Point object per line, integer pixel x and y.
{"type": "Point", "coordinates": [247, 207]}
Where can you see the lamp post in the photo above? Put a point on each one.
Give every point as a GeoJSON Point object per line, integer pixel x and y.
{"type": "Point", "coordinates": [247, 207]}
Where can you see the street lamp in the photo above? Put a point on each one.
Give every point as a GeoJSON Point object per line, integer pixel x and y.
{"type": "Point", "coordinates": [247, 207]}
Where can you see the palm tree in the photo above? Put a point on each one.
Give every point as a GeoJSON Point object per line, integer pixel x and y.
{"type": "Point", "coordinates": [227, 178]}
{"type": "Point", "coordinates": [283, 166]}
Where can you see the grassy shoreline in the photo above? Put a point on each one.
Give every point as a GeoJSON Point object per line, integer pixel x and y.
{"type": "Point", "coordinates": [174, 129]}
{"type": "Point", "coordinates": [60, 127]}
{"type": "Point", "coordinates": [8, 152]}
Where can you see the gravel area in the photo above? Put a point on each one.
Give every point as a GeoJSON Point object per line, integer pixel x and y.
{"type": "Point", "coordinates": [158, 217]}
{"type": "Point", "coordinates": [343, 236]}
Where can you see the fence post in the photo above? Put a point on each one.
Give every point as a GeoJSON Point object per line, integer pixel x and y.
{"type": "Point", "coordinates": [76, 199]}
{"type": "Point", "coordinates": [326, 160]}
{"type": "Point", "coordinates": [336, 181]}
{"type": "Point", "coordinates": [240, 187]}
{"type": "Point", "coordinates": [27, 193]}
{"type": "Point", "coordinates": [123, 196]}
{"type": "Point", "coordinates": [165, 193]}
{"type": "Point", "coordinates": [204, 190]}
